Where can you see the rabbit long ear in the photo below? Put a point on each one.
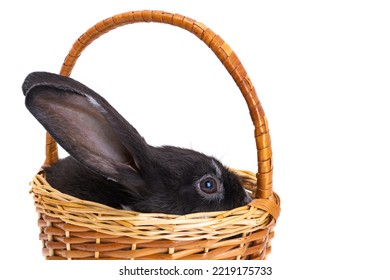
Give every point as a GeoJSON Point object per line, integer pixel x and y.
{"type": "Point", "coordinates": [85, 125]}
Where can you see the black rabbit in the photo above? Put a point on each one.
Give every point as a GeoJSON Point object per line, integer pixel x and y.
{"type": "Point", "coordinates": [112, 164]}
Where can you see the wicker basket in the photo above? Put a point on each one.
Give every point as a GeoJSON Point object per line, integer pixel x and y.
{"type": "Point", "coordinates": [71, 228]}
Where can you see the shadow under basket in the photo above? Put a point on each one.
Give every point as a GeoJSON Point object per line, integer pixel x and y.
{"type": "Point", "coordinates": [71, 228]}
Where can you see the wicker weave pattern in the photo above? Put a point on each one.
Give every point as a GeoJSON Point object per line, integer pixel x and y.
{"type": "Point", "coordinates": [77, 229]}
{"type": "Point", "coordinates": [74, 229]}
{"type": "Point", "coordinates": [62, 241]}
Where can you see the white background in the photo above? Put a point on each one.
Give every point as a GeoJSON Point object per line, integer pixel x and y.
{"type": "Point", "coordinates": [321, 70]}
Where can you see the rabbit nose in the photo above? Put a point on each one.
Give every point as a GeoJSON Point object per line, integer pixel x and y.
{"type": "Point", "coordinates": [247, 199]}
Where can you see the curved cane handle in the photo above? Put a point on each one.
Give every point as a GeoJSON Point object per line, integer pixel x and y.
{"type": "Point", "coordinates": [225, 54]}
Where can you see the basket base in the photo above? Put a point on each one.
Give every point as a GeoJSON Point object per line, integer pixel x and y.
{"type": "Point", "coordinates": [62, 241]}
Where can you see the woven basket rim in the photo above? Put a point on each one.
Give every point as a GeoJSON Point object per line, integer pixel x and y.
{"type": "Point", "coordinates": [71, 228]}
{"type": "Point", "coordinates": [259, 214]}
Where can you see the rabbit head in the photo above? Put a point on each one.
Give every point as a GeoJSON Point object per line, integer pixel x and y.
{"type": "Point", "coordinates": [111, 163]}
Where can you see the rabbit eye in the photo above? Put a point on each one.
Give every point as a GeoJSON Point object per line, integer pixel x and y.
{"type": "Point", "coordinates": [208, 185]}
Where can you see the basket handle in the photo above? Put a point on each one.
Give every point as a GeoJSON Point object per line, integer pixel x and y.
{"type": "Point", "coordinates": [221, 49]}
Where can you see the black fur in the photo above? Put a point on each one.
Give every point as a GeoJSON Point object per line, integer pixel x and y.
{"type": "Point", "coordinates": [112, 164]}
